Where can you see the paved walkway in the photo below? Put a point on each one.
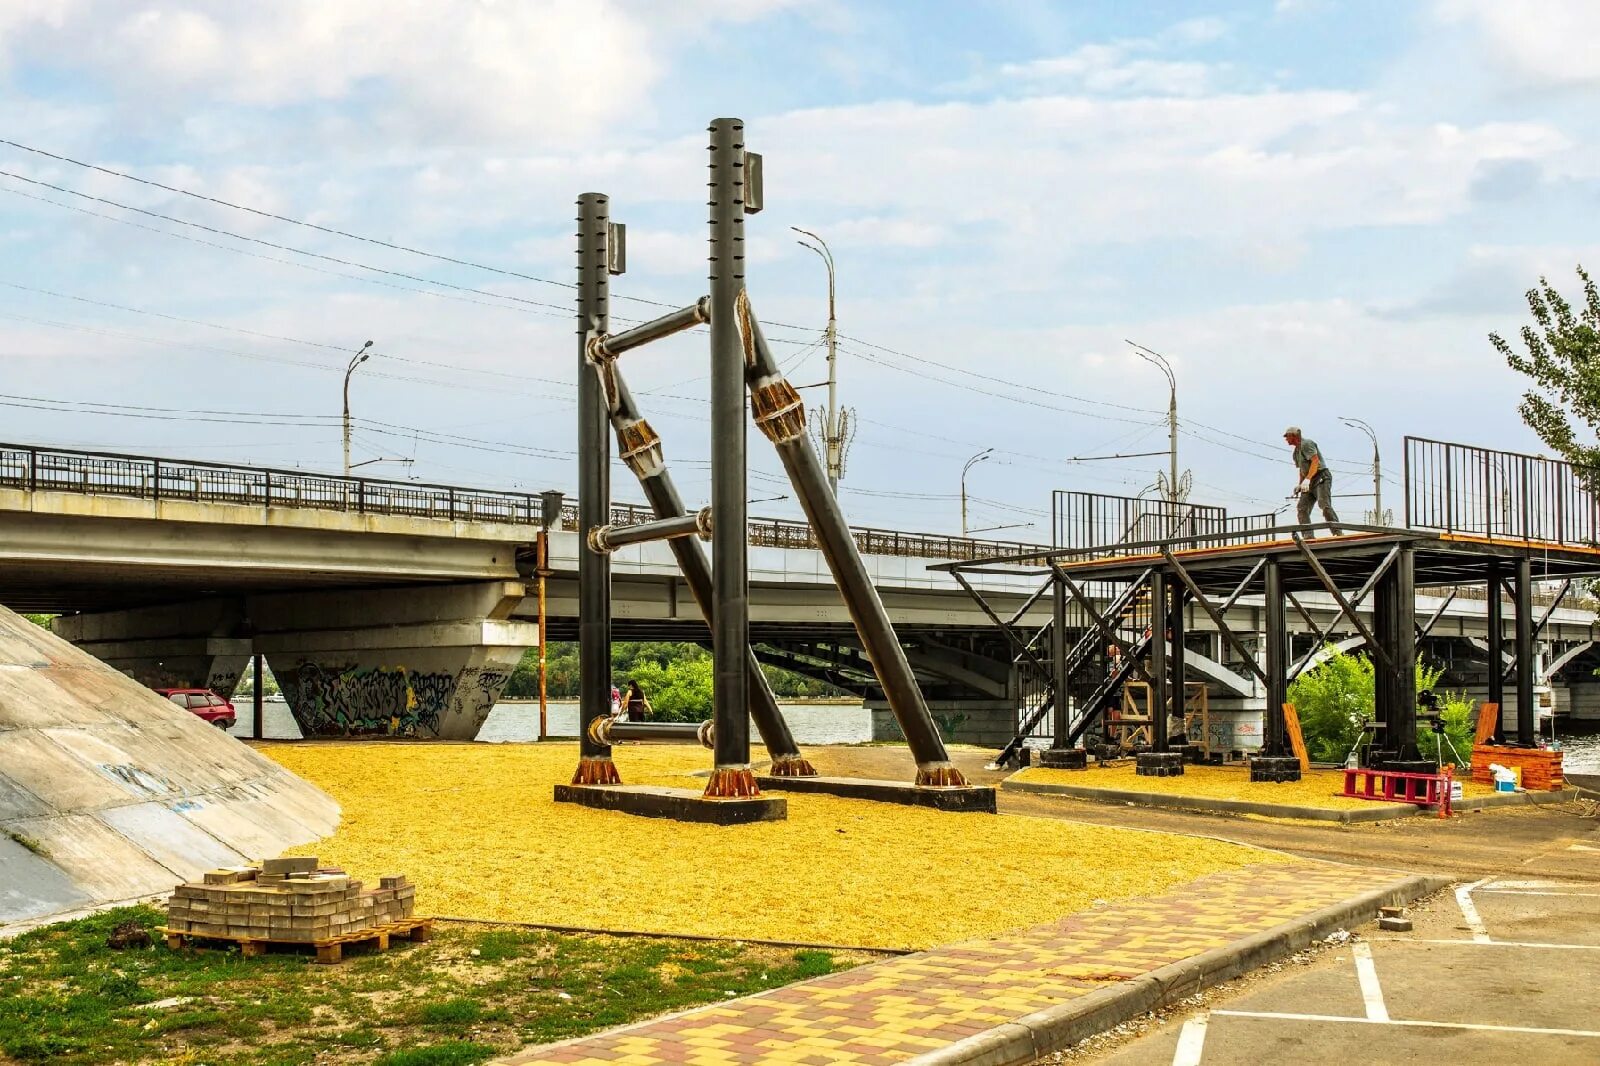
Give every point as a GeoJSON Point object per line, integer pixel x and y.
{"type": "Point", "coordinates": [892, 1011]}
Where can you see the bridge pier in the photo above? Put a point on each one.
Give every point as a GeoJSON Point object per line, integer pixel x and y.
{"type": "Point", "coordinates": [189, 645]}
{"type": "Point", "coordinates": [424, 662]}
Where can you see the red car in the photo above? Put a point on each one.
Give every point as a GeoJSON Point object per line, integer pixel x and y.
{"type": "Point", "coordinates": [203, 703]}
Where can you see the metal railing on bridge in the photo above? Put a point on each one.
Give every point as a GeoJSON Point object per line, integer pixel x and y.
{"type": "Point", "coordinates": [152, 478]}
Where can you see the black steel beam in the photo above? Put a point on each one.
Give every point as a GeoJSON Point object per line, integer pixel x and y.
{"type": "Point", "coordinates": [1017, 643]}
{"type": "Point", "coordinates": [1497, 637]}
{"type": "Point", "coordinates": [1403, 633]}
{"type": "Point", "coordinates": [1215, 613]}
{"type": "Point", "coordinates": [607, 539]}
{"type": "Point", "coordinates": [1345, 606]}
{"type": "Point", "coordinates": [1104, 627]}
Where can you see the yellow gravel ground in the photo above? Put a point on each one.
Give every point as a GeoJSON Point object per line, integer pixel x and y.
{"type": "Point", "coordinates": [475, 826]}
{"type": "Point", "coordinates": [1316, 788]}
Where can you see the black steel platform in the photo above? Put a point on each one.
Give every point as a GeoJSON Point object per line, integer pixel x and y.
{"type": "Point", "coordinates": [976, 798]}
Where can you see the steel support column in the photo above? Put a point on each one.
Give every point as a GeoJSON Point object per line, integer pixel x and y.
{"type": "Point", "coordinates": [1522, 586]}
{"type": "Point", "coordinates": [1178, 659]}
{"type": "Point", "coordinates": [1158, 660]}
{"type": "Point", "coordinates": [1277, 661]}
{"type": "Point", "coordinates": [594, 494]}
{"type": "Point", "coordinates": [1403, 609]}
{"type": "Point", "coordinates": [730, 620]}
{"type": "Point", "coordinates": [1058, 664]}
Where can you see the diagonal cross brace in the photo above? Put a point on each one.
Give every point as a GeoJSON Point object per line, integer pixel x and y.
{"type": "Point", "coordinates": [1100, 622]}
{"type": "Point", "coordinates": [1016, 642]}
{"type": "Point", "coordinates": [1538, 627]}
{"type": "Point", "coordinates": [1345, 607]}
{"type": "Point", "coordinates": [1215, 614]}
{"type": "Point", "coordinates": [1105, 689]}
{"type": "Point", "coordinates": [1433, 619]}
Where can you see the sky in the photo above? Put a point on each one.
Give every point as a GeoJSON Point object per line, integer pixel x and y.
{"type": "Point", "coordinates": [1314, 209]}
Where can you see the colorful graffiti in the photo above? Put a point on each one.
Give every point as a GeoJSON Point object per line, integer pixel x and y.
{"type": "Point", "coordinates": [363, 701]}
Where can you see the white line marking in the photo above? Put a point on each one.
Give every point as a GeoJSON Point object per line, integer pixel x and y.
{"type": "Point", "coordinates": [1367, 974]}
{"type": "Point", "coordinates": [1495, 944]}
{"type": "Point", "coordinates": [1474, 1026]}
{"type": "Point", "coordinates": [1581, 847]}
{"type": "Point", "coordinates": [1535, 892]}
{"type": "Point", "coordinates": [1499, 885]}
{"type": "Point", "coordinates": [1470, 912]}
{"type": "Point", "coordinates": [1191, 1042]}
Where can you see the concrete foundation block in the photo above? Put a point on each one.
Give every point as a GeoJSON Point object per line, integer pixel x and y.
{"type": "Point", "coordinates": [1159, 764]}
{"type": "Point", "coordinates": [1274, 768]}
{"type": "Point", "coordinates": [680, 804]}
{"type": "Point", "coordinates": [1064, 759]}
{"type": "Point", "coordinates": [977, 798]}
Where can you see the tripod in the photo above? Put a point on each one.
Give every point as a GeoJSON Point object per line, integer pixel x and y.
{"type": "Point", "coordinates": [1441, 740]}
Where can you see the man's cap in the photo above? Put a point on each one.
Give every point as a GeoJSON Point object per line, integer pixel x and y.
{"type": "Point", "coordinates": [1292, 431]}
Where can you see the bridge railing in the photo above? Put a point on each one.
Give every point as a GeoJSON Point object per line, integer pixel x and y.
{"type": "Point", "coordinates": [1460, 488]}
{"type": "Point", "coordinates": [152, 478]}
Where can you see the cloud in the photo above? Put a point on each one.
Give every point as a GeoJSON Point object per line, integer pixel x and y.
{"type": "Point", "coordinates": [446, 69]}
{"type": "Point", "coordinates": [1538, 43]}
{"type": "Point", "coordinates": [1126, 66]}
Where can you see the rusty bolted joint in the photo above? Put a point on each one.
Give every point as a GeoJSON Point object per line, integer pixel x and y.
{"type": "Point", "coordinates": [603, 540]}
{"type": "Point", "coordinates": [639, 446]}
{"type": "Point", "coordinates": [779, 412]}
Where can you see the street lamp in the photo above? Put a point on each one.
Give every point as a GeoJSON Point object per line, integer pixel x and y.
{"type": "Point", "coordinates": [980, 457]}
{"type": "Point", "coordinates": [1377, 468]}
{"type": "Point", "coordinates": [834, 424]}
{"type": "Point", "coordinates": [1173, 490]}
{"type": "Point", "coordinates": [361, 356]}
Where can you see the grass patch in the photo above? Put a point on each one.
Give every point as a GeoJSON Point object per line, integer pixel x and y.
{"type": "Point", "coordinates": [65, 997]}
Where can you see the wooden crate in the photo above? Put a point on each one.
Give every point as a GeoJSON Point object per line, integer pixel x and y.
{"type": "Point", "coordinates": [330, 950]}
{"type": "Point", "coordinates": [1541, 769]}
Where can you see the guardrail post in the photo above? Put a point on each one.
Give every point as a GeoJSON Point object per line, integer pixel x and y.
{"type": "Point", "coordinates": [33, 469]}
{"type": "Point", "coordinates": [155, 481]}
{"type": "Point", "coordinates": [267, 485]}
{"type": "Point", "coordinates": [361, 495]}
{"type": "Point", "coordinates": [452, 499]}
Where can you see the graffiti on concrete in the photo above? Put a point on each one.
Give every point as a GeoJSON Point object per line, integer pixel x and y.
{"type": "Point", "coordinates": [362, 700]}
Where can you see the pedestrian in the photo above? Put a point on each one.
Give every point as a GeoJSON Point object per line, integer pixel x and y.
{"type": "Point", "coordinates": [616, 702]}
{"type": "Point", "coordinates": [1316, 480]}
{"type": "Point", "coordinates": [638, 706]}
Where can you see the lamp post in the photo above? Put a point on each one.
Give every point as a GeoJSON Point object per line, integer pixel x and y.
{"type": "Point", "coordinates": [980, 457]}
{"type": "Point", "coordinates": [1377, 468]}
{"type": "Point", "coordinates": [361, 356]}
{"type": "Point", "coordinates": [832, 430]}
{"type": "Point", "coordinates": [1172, 489]}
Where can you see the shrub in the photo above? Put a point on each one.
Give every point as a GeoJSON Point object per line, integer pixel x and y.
{"type": "Point", "coordinates": [1336, 699]}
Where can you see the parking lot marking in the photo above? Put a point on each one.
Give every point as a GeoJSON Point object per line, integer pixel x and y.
{"type": "Point", "coordinates": [1535, 892]}
{"type": "Point", "coordinates": [1407, 1022]}
{"type": "Point", "coordinates": [1191, 1041]}
{"type": "Point", "coordinates": [1470, 912]}
{"type": "Point", "coordinates": [1367, 974]}
{"type": "Point", "coordinates": [1496, 944]}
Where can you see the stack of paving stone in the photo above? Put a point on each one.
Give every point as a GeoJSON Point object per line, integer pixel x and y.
{"type": "Point", "coordinates": [290, 899]}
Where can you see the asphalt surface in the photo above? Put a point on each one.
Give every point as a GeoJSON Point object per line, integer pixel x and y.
{"type": "Point", "coordinates": [1507, 972]}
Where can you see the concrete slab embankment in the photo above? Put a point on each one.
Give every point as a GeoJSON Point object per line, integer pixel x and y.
{"type": "Point", "coordinates": [109, 792]}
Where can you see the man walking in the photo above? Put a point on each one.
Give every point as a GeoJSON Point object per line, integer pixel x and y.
{"type": "Point", "coordinates": [1316, 480]}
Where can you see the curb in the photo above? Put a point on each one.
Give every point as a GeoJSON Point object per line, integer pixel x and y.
{"type": "Point", "coordinates": [1378, 812]}
{"type": "Point", "coordinates": [1058, 1028]}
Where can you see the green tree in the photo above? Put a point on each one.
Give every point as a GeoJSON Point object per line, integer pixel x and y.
{"type": "Point", "coordinates": [41, 620]}
{"type": "Point", "coordinates": [1337, 698]}
{"type": "Point", "coordinates": [1563, 362]}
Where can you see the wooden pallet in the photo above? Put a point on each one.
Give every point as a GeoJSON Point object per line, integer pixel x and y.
{"type": "Point", "coordinates": [330, 950]}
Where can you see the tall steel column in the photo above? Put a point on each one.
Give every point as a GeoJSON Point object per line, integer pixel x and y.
{"type": "Point", "coordinates": [1277, 665]}
{"type": "Point", "coordinates": [782, 417]}
{"type": "Point", "coordinates": [730, 621]}
{"type": "Point", "coordinates": [1158, 660]}
{"type": "Point", "coordinates": [1497, 640]}
{"type": "Point", "coordinates": [594, 494]}
{"type": "Point", "coordinates": [1176, 662]}
{"type": "Point", "coordinates": [1523, 588]}
{"type": "Point", "coordinates": [640, 447]}
{"type": "Point", "coordinates": [1403, 648]}
{"type": "Point", "coordinates": [1384, 695]}
{"type": "Point", "coordinates": [1058, 664]}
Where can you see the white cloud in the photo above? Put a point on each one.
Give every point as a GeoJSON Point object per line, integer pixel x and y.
{"type": "Point", "coordinates": [1130, 66]}
{"type": "Point", "coordinates": [1539, 43]}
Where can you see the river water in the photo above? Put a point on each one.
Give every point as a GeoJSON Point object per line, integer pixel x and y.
{"type": "Point", "coordinates": [514, 721]}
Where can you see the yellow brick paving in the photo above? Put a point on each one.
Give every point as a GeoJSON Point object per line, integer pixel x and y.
{"type": "Point", "coordinates": [892, 1011]}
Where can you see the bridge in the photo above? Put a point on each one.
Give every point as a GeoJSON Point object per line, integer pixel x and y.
{"type": "Point", "coordinates": [389, 606]}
